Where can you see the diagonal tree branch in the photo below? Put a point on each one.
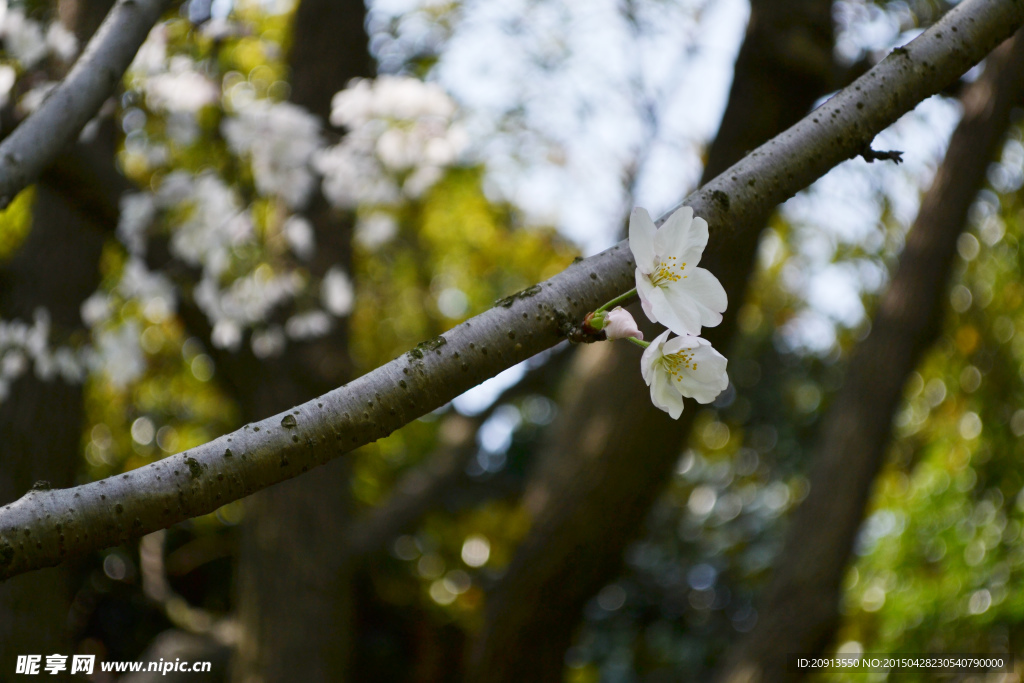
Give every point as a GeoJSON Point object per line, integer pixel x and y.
{"type": "Point", "coordinates": [34, 144]}
{"type": "Point", "coordinates": [801, 607]}
{"type": "Point", "coordinates": [45, 527]}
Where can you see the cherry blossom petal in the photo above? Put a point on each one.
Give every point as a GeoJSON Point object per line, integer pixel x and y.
{"type": "Point", "coordinates": [673, 290]}
{"type": "Point", "coordinates": [666, 397]}
{"type": "Point", "coordinates": [676, 310]}
{"type": "Point", "coordinates": [707, 377]}
{"type": "Point", "coordinates": [645, 290]}
{"type": "Point", "coordinates": [701, 292]}
{"type": "Point", "coordinates": [641, 239]}
{"type": "Point", "coordinates": [683, 236]}
{"type": "Point", "coordinates": [651, 354]}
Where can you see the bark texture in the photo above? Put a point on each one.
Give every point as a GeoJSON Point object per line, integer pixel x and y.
{"type": "Point", "coordinates": [44, 528]}
{"type": "Point", "coordinates": [611, 453]}
{"type": "Point", "coordinates": [800, 611]}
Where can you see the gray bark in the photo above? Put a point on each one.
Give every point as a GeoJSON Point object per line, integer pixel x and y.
{"type": "Point", "coordinates": [46, 527]}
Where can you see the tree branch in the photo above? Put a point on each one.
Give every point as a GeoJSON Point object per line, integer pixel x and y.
{"type": "Point", "coordinates": [34, 144]}
{"type": "Point", "coordinates": [46, 527]}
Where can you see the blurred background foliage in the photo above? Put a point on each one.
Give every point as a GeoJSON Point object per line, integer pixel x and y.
{"type": "Point", "coordinates": [940, 556]}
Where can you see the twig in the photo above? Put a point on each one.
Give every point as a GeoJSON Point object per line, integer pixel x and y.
{"type": "Point", "coordinates": [872, 155]}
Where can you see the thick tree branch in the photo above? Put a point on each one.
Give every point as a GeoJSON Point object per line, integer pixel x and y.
{"type": "Point", "coordinates": [801, 608]}
{"type": "Point", "coordinates": [34, 144]}
{"type": "Point", "coordinates": [45, 527]}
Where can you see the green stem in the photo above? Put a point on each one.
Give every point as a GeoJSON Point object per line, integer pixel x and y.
{"type": "Point", "coordinates": [617, 300]}
{"type": "Point", "coordinates": [638, 342]}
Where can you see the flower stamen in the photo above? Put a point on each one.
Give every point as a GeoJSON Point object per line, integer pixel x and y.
{"type": "Point", "coordinates": [676, 363]}
{"type": "Point", "coordinates": [665, 272]}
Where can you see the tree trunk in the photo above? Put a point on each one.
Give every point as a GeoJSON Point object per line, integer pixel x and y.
{"type": "Point", "coordinates": [800, 612]}
{"type": "Point", "coordinates": [611, 452]}
{"type": "Point", "coordinates": [41, 420]}
{"type": "Point", "coordinates": [295, 576]}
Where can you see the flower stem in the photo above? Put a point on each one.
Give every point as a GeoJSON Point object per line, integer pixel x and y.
{"type": "Point", "coordinates": [617, 300]}
{"type": "Point", "coordinates": [641, 344]}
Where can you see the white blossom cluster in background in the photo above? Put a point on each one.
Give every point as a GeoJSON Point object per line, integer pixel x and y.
{"type": "Point", "coordinates": [26, 43]}
{"type": "Point", "coordinates": [175, 87]}
{"type": "Point", "coordinates": [209, 225]}
{"type": "Point", "coordinates": [23, 346]}
{"type": "Point", "coordinates": [180, 88]}
{"type": "Point", "coordinates": [117, 352]}
{"type": "Point", "coordinates": [402, 133]}
{"type": "Point", "coordinates": [173, 84]}
{"type": "Point", "coordinates": [279, 139]}
{"type": "Point", "coordinates": [209, 220]}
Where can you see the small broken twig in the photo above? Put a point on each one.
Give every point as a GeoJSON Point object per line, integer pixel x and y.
{"type": "Point", "coordinates": [871, 155]}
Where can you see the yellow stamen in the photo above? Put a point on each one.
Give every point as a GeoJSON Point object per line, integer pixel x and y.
{"type": "Point", "coordinates": [667, 272]}
{"type": "Point", "coordinates": [675, 363]}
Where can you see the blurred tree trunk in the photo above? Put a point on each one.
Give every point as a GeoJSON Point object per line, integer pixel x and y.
{"type": "Point", "coordinates": [41, 420]}
{"type": "Point", "coordinates": [295, 576]}
{"type": "Point", "coordinates": [800, 612]}
{"type": "Point", "coordinates": [610, 452]}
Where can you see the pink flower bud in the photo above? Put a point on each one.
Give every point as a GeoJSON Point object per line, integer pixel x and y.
{"type": "Point", "coordinates": [619, 324]}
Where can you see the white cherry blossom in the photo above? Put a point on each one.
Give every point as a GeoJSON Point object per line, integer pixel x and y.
{"type": "Point", "coordinates": [684, 366]}
{"type": "Point", "coordinates": [672, 289]}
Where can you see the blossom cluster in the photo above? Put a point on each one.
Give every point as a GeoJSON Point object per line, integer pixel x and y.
{"type": "Point", "coordinates": [279, 138]}
{"type": "Point", "coordinates": [401, 135]}
{"type": "Point", "coordinates": [22, 344]}
{"type": "Point", "coordinates": [684, 298]}
{"type": "Point", "coordinates": [210, 226]}
{"type": "Point", "coordinates": [117, 350]}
